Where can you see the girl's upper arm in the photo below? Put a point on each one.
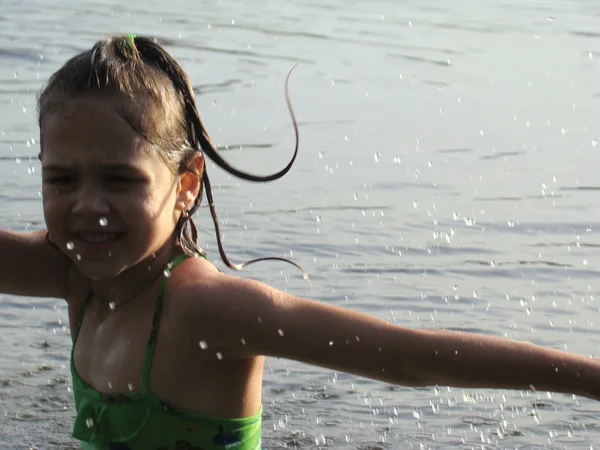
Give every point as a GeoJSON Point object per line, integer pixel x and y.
{"type": "Point", "coordinates": [249, 318]}
{"type": "Point", "coordinates": [30, 266]}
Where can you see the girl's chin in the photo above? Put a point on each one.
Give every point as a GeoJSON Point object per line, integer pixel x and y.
{"type": "Point", "coordinates": [98, 271]}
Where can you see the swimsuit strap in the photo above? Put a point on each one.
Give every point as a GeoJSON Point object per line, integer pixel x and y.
{"type": "Point", "coordinates": [156, 321]}
{"type": "Point", "coordinates": [81, 314]}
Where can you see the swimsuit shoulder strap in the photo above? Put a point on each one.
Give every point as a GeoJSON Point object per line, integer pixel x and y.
{"type": "Point", "coordinates": [81, 315]}
{"type": "Point", "coordinates": [156, 321]}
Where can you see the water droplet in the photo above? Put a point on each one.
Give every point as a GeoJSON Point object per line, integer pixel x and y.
{"type": "Point", "coordinates": [70, 245]}
{"type": "Point", "coordinates": [112, 305]}
{"type": "Point", "coordinates": [89, 422]}
{"type": "Point", "coordinates": [103, 221]}
{"type": "Point", "coordinates": [280, 332]}
{"type": "Point", "coordinates": [475, 294]}
{"type": "Point", "coordinates": [167, 272]}
{"type": "Point", "coordinates": [109, 385]}
{"type": "Point", "coordinates": [305, 276]}
{"type": "Point", "coordinates": [203, 345]}
{"type": "Point", "coordinates": [376, 156]}
{"type": "Point", "coordinates": [78, 257]}
{"type": "Point", "coordinates": [455, 287]}
{"type": "Point", "coordinates": [130, 386]}
{"type": "Point", "coordinates": [330, 343]}
{"type": "Point", "coordinates": [219, 355]}
{"type": "Point", "coordinates": [243, 341]}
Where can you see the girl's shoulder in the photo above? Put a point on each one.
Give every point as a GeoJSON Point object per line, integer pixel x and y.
{"type": "Point", "coordinates": [198, 296]}
{"type": "Point", "coordinates": [191, 283]}
{"type": "Point", "coordinates": [196, 281]}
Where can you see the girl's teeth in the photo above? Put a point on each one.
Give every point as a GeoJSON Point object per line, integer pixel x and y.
{"type": "Point", "coordinates": [97, 238]}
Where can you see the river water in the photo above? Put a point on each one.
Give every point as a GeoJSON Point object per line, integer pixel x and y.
{"type": "Point", "coordinates": [447, 178]}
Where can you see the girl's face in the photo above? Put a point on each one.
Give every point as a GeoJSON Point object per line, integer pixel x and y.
{"type": "Point", "coordinates": [109, 200]}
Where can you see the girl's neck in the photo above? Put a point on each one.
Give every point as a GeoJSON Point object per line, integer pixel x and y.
{"type": "Point", "coordinates": [135, 280]}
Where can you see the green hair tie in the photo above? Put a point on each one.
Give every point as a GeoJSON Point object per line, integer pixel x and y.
{"type": "Point", "coordinates": [131, 40]}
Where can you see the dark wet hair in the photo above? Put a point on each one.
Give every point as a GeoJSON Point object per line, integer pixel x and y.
{"type": "Point", "coordinates": [129, 66]}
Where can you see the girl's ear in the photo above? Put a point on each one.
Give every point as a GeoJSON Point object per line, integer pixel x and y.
{"type": "Point", "coordinates": [190, 182]}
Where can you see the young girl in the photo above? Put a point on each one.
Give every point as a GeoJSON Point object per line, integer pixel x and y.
{"type": "Point", "coordinates": [168, 351]}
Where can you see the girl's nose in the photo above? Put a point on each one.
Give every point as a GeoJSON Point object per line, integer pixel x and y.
{"type": "Point", "coordinates": [90, 201]}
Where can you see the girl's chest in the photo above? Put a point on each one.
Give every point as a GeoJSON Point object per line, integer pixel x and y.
{"type": "Point", "coordinates": [111, 348]}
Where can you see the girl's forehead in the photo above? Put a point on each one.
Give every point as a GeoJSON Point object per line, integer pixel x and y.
{"type": "Point", "coordinates": [92, 127]}
{"type": "Point", "coordinates": [95, 114]}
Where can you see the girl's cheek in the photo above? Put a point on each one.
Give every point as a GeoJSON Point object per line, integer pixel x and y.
{"type": "Point", "coordinates": [50, 193]}
{"type": "Point", "coordinates": [49, 203]}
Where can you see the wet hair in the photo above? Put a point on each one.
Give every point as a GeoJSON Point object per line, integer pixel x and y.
{"type": "Point", "coordinates": [140, 69]}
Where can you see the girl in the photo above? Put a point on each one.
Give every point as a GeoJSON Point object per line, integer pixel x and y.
{"type": "Point", "coordinates": [167, 351]}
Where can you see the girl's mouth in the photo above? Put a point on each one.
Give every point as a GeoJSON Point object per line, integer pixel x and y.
{"type": "Point", "coordinates": [97, 238]}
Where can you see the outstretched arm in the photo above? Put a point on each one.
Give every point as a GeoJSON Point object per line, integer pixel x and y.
{"type": "Point", "coordinates": [31, 266]}
{"type": "Point", "coordinates": [273, 323]}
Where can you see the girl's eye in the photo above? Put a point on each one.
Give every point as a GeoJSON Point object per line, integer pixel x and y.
{"type": "Point", "coordinates": [120, 179]}
{"type": "Point", "coordinates": [59, 180]}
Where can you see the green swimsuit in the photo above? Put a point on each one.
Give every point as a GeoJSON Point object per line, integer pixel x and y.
{"type": "Point", "coordinates": [141, 421]}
